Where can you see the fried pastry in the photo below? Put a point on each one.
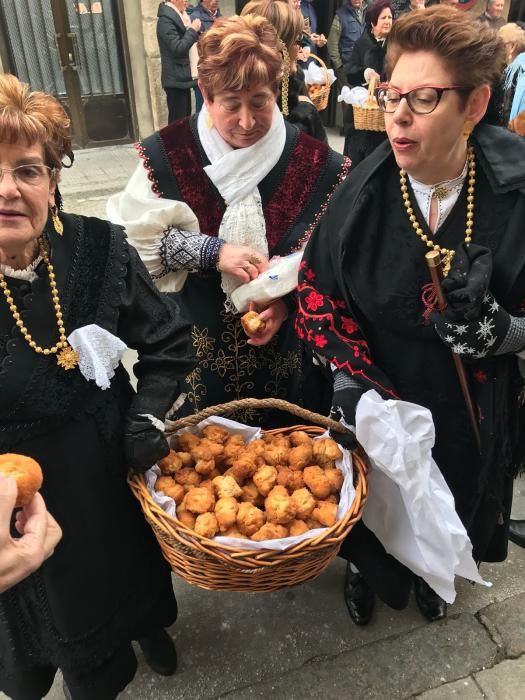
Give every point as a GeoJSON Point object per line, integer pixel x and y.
{"type": "Point", "coordinates": [252, 323]}
{"type": "Point", "coordinates": [297, 527]}
{"type": "Point", "coordinates": [336, 478]}
{"type": "Point", "coordinates": [26, 472]}
{"type": "Point", "coordinates": [279, 506]}
{"type": "Point", "coordinates": [304, 503]}
{"type": "Point", "coordinates": [199, 500]}
{"type": "Point", "coordinates": [187, 476]}
{"type": "Point", "coordinates": [170, 488]}
{"type": "Point", "coordinates": [299, 437]}
{"type": "Point", "coordinates": [234, 532]}
{"type": "Point", "coordinates": [250, 493]}
{"type": "Point", "coordinates": [171, 463]}
{"type": "Point", "coordinates": [206, 525]}
{"type": "Point", "coordinates": [300, 457]}
{"type": "Point", "coordinates": [270, 531]}
{"type": "Point", "coordinates": [226, 512]}
{"type": "Point", "coordinates": [276, 454]}
{"type": "Point", "coordinates": [265, 479]}
{"type": "Point", "coordinates": [249, 519]}
{"type": "Point", "coordinates": [186, 441]}
{"type": "Point", "coordinates": [226, 486]}
{"type": "Point", "coordinates": [216, 433]}
{"type": "Point", "coordinates": [186, 518]}
{"type": "Point", "coordinates": [325, 513]}
{"type": "Point", "coordinates": [314, 477]}
{"type": "Point", "coordinates": [326, 452]}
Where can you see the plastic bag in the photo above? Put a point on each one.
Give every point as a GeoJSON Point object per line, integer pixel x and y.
{"type": "Point", "coordinates": [314, 74]}
{"type": "Point", "coordinates": [277, 281]}
{"type": "Point", "coordinates": [353, 96]}
{"type": "Point", "coordinates": [410, 508]}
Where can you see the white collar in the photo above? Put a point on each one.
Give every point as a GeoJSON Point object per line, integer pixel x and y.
{"type": "Point", "coordinates": [28, 273]}
{"type": "Point", "coordinates": [446, 193]}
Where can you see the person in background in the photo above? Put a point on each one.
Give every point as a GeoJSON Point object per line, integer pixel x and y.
{"type": "Point", "coordinates": [239, 184]}
{"type": "Point", "coordinates": [74, 295]}
{"type": "Point", "coordinates": [313, 40]}
{"type": "Point", "coordinates": [446, 180]}
{"type": "Point", "coordinates": [347, 27]}
{"type": "Point", "coordinates": [517, 12]}
{"type": "Point", "coordinates": [413, 5]}
{"type": "Point", "coordinates": [39, 535]}
{"type": "Point", "coordinates": [207, 11]}
{"type": "Point", "coordinates": [493, 15]}
{"type": "Point", "coordinates": [177, 36]}
{"type": "Point", "coordinates": [367, 63]}
{"type": "Point", "coordinates": [293, 101]}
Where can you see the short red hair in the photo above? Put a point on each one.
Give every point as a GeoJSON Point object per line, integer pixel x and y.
{"type": "Point", "coordinates": [33, 118]}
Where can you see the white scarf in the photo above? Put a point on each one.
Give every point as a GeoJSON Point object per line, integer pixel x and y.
{"type": "Point", "coordinates": [236, 173]}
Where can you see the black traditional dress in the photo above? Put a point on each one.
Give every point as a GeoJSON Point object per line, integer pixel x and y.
{"type": "Point", "coordinates": [294, 195]}
{"type": "Point", "coordinates": [363, 304]}
{"type": "Point", "coordinates": [106, 582]}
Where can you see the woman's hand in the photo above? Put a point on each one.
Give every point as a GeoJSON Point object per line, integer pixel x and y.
{"type": "Point", "coordinates": [243, 262]}
{"type": "Point", "coordinates": [273, 315]}
{"type": "Point", "coordinates": [370, 74]}
{"type": "Point", "coordinates": [196, 24]}
{"type": "Point", "coordinates": [39, 532]}
{"type": "Point", "coordinates": [319, 39]}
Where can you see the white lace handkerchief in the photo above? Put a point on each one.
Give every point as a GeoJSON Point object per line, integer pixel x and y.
{"type": "Point", "coordinates": [99, 353]}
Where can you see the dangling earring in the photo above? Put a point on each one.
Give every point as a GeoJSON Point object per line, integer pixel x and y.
{"type": "Point", "coordinates": [467, 129]}
{"type": "Point", "coordinates": [210, 122]}
{"type": "Point", "coordinates": [57, 224]}
{"type": "Point", "coordinates": [285, 83]}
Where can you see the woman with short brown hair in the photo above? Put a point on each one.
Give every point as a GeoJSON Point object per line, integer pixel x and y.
{"type": "Point", "coordinates": [450, 182]}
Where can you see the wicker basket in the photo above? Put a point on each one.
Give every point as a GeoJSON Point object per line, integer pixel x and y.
{"type": "Point", "coordinates": [320, 94]}
{"type": "Point", "coordinates": [215, 566]}
{"type": "Point", "coordinates": [369, 117]}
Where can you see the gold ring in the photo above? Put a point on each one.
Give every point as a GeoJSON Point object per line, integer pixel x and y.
{"type": "Point", "coordinates": [254, 260]}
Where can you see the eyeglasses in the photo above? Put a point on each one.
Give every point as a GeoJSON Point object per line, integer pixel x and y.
{"type": "Point", "coordinates": [30, 175]}
{"type": "Point", "coordinates": [421, 100]}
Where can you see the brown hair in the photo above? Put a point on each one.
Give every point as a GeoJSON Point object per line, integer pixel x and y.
{"type": "Point", "coordinates": [288, 23]}
{"type": "Point", "coordinates": [237, 53]}
{"type": "Point", "coordinates": [471, 50]}
{"type": "Point", "coordinates": [35, 118]}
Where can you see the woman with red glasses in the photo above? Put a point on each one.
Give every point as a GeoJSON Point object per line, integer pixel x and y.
{"type": "Point", "coordinates": [445, 181]}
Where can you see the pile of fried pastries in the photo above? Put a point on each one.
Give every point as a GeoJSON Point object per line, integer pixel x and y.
{"type": "Point", "coordinates": [273, 487]}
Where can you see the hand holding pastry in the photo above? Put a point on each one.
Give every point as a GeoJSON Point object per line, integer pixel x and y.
{"type": "Point", "coordinates": [273, 316]}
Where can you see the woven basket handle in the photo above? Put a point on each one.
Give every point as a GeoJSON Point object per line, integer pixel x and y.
{"type": "Point", "coordinates": [371, 100]}
{"type": "Point", "coordinates": [226, 408]}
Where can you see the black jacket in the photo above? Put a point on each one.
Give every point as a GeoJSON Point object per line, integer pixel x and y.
{"type": "Point", "coordinates": [367, 53]}
{"type": "Point", "coordinates": [175, 42]}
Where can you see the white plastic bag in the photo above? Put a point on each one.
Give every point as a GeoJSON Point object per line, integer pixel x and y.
{"type": "Point", "coordinates": [353, 96]}
{"type": "Point", "coordinates": [314, 74]}
{"type": "Point", "coordinates": [410, 508]}
{"type": "Point", "coordinates": [279, 279]}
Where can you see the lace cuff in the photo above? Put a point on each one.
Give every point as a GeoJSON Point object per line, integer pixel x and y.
{"type": "Point", "coordinates": [515, 339]}
{"type": "Point", "coordinates": [187, 250]}
{"type": "Point", "coordinates": [99, 353]}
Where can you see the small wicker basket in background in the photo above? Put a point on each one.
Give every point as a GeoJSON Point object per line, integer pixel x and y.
{"type": "Point", "coordinates": [214, 566]}
{"type": "Point", "coordinates": [369, 117]}
{"type": "Point", "coordinates": [320, 94]}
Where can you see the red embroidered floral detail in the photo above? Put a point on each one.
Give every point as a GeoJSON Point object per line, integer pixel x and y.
{"type": "Point", "coordinates": [339, 304]}
{"type": "Point", "coordinates": [349, 325]}
{"type": "Point", "coordinates": [303, 265]}
{"type": "Point", "coordinates": [314, 300]}
{"type": "Point", "coordinates": [429, 298]}
{"type": "Point", "coordinates": [320, 341]}
{"type": "Point", "coordinates": [480, 376]}
{"type": "Point", "coordinates": [310, 275]}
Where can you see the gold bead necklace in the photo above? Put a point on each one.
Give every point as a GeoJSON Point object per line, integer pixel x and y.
{"type": "Point", "coordinates": [447, 255]}
{"type": "Point", "coordinates": [66, 356]}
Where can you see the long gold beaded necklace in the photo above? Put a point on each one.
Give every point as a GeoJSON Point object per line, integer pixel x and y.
{"type": "Point", "coordinates": [66, 356]}
{"type": "Point", "coordinates": [446, 254]}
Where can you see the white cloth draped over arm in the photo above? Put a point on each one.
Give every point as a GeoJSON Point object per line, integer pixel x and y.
{"type": "Point", "coordinates": [146, 217]}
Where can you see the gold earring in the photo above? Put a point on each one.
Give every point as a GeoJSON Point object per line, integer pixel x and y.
{"type": "Point", "coordinates": [467, 129]}
{"type": "Point", "coordinates": [210, 122]}
{"type": "Point", "coordinates": [57, 224]}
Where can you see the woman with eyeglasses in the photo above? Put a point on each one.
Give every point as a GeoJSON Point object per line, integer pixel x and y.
{"type": "Point", "coordinates": [72, 294]}
{"type": "Point", "coordinates": [213, 199]}
{"type": "Point", "coordinates": [445, 181]}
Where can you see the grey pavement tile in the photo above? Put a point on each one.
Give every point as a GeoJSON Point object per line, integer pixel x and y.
{"type": "Point", "coordinates": [506, 681]}
{"type": "Point", "coordinates": [385, 670]}
{"type": "Point", "coordinates": [464, 689]}
{"type": "Point", "coordinates": [506, 622]}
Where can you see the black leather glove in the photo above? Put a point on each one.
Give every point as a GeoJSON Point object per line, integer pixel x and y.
{"type": "Point", "coordinates": [474, 324]}
{"type": "Point", "coordinates": [144, 444]}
